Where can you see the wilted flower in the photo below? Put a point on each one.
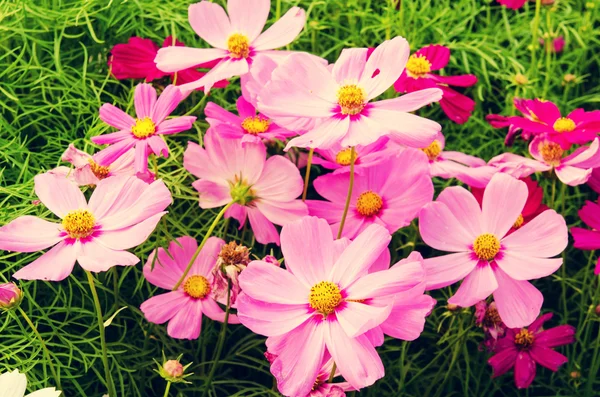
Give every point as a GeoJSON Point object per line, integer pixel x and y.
{"type": "Point", "coordinates": [10, 296]}
{"type": "Point", "coordinates": [232, 259]}
{"type": "Point", "coordinates": [487, 317]}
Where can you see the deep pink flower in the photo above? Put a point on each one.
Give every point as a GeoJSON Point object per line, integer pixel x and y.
{"type": "Point", "coordinates": [573, 170]}
{"type": "Point", "coordinates": [528, 108]}
{"type": "Point", "coordinates": [391, 199]}
{"type": "Point", "coordinates": [143, 132]}
{"type": "Point", "coordinates": [88, 171]}
{"type": "Point", "coordinates": [324, 302]}
{"type": "Point", "coordinates": [266, 190]}
{"type": "Point", "coordinates": [487, 317]}
{"type": "Point", "coordinates": [237, 39]}
{"type": "Point", "coordinates": [489, 260]}
{"type": "Point", "coordinates": [184, 307]}
{"type": "Point", "coordinates": [558, 44]}
{"type": "Point", "coordinates": [337, 103]}
{"type": "Point", "coordinates": [417, 76]}
{"type": "Point", "coordinates": [339, 158]}
{"type": "Point", "coordinates": [248, 126]}
{"type": "Point", "coordinates": [594, 181]}
{"type": "Point", "coordinates": [525, 347]}
{"type": "Point", "coordinates": [121, 213]}
{"type": "Point", "coordinates": [512, 4]}
{"type": "Point", "coordinates": [586, 239]}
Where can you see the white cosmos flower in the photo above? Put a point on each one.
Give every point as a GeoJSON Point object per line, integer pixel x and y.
{"type": "Point", "coordinates": [14, 384]}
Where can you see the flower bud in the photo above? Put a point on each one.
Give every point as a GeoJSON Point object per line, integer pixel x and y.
{"type": "Point", "coordinates": [173, 371]}
{"type": "Point", "coordinates": [10, 296]}
{"type": "Point", "coordinates": [272, 260]}
{"type": "Point", "coordinates": [520, 79]}
{"type": "Point", "coordinates": [598, 310]}
{"type": "Point", "coordinates": [452, 307]}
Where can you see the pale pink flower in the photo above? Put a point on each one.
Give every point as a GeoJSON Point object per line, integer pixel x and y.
{"type": "Point", "coordinates": [88, 172]}
{"type": "Point", "coordinates": [339, 100]}
{"type": "Point", "coordinates": [265, 191]}
{"type": "Point", "coordinates": [574, 169]}
{"type": "Point", "coordinates": [143, 132]}
{"type": "Point", "coordinates": [236, 39]}
{"type": "Point", "coordinates": [339, 158]}
{"type": "Point", "coordinates": [380, 195]}
{"type": "Point", "coordinates": [184, 307]}
{"type": "Point", "coordinates": [121, 213]}
{"type": "Point", "coordinates": [14, 384]}
{"type": "Point", "coordinates": [323, 303]}
{"type": "Point", "coordinates": [489, 260]}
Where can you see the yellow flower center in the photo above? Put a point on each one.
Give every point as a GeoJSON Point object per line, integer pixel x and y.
{"type": "Point", "coordinates": [417, 66]}
{"type": "Point", "coordinates": [197, 287]}
{"type": "Point", "coordinates": [324, 297]}
{"type": "Point", "coordinates": [79, 223]}
{"type": "Point", "coordinates": [369, 203]}
{"type": "Point", "coordinates": [351, 99]}
{"type": "Point", "coordinates": [101, 171]}
{"type": "Point", "coordinates": [255, 125]}
{"type": "Point", "coordinates": [551, 153]}
{"type": "Point", "coordinates": [433, 151]}
{"type": "Point", "coordinates": [143, 128]}
{"type": "Point", "coordinates": [486, 246]}
{"type": "Point", "coordinates": [344, 157]}
{"type": "Point", "coordinates": [564, 124]}
{"type": "Point", "coordinates": [524, 338]}
{"type": "Point", "coordinates": [238, 45]}
{"type": "Point", "coordinates": [519, 222]}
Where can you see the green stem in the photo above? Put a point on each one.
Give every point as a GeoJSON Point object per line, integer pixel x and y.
{"type": "Point", "coordinates": [221, 341]}
{"type": "Point", "coordinates": [167, 389]}
{"type": "Point", "coordinates": [204, 240]}
{"type": "Point", "coordinates": [109, 382]}
{"type": "Point", "coordinates": [45, 348]}
{"type": "Point", "coordinates": [349, 196]}
{"type": "Point", "coordinates": [307, 174]}
{"type": "Point", "coordinates": [332, 374]}
{"type": "Point", "coordinates": [534, 41]}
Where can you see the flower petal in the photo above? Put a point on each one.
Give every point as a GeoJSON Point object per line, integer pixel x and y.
{"type": "Point", "coordinates": [210, 22]}
{"type": "Point", "coordinates": [270, 319]}
{"type": "Point", "coordinates": [248, 17]}
{"type": "Point", "coordinates": [521, 267]}
{"type": "Point", "coordinates": [518, 302]}
{"type": "Point", "coordinates": [271, 284]}
{"type": "Point", "coordinates": [441, 230]}
{"type": "Point", "coordinates": [503, 201]}
{"type": "Point", "coordinates": [130, 236]}
{"type": "Point", "coordinates": [264, 230]}
{"type": "Point", "coordinates": [54, 265]}
{"type": "Point", "coordinates": [384, 66]}
{"type": "Point", "coordinates": [144, 99]}
{"type": "Point", "coordinates": [282, 32]}
{"type": "Point", "coordinates": [174, 59]}
{"type": "Point", "coordinates": [357, 318]}
{"type": "Point", "coordinates": [96, 257]}
{"type": "Point", "coordinates": [525, 369]}
{"type": "Point", "coordinates": [503, 361]}
{"type": "Point", "coordinates": [187, 321]}
{"type": "Point", "coordinates": [445, 270]}
{"type": "Point", "coordinates": [115, 117]}
{"type": "Point", "coordinates": [161, 308]}
{"type": "Point", "coordinates": [477, 286]}
{"type": "Point", "coordinates": [29, 234]}
{"type": "Point", "coordinates": [59, 194]}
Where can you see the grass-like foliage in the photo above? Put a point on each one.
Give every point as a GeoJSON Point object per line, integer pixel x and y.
{"type": "Point", "coordinates": [54, 78]}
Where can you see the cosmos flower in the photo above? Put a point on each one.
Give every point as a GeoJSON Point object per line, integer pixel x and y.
{"type": "Point", "coordinates": [489, 260]}
{"type": "Point", "coordinates": [339, 158]}
{"type": "Point", "coordinates": [236, 39]}
{"type": "Point", "coordinates": [587, 239]}
{"type": "Point", "coordinates": [184, 307]}
{"type": "Point", "coordinates": [14, 384]}
{"type": "Point", "coordinates": [418, 75]}
{"type": "Point", "coordinates": [144, 132]}
{"type": "Point", "coordinates": [121, 213]}
{"type": "Point", "coordinates": [390, 199]}
{"type": "Point", "coordinates": [338, 102]}
{"type": "Point", "coordinates": [512, 4]}
{"type": "Point", "coordinates": [265, 191]}
{"type": "Point", "coordinates": [523, 348]}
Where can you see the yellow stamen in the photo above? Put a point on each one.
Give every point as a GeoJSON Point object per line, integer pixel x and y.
{"type": "Point", "coordinates": [369, 203]}
{"type": "Point", "coordinates": [524, 338]}
{"type": "Point", "coordinates": [417, 66]}
{"type": "Point", "coordinates": [344, 157]}
{"type": "Point", "coordinates": [79, 223]}
{"type": "Point", "coordinates": [143, 128]}
{"type": "Point", "coordinates": [196, 287]}
{"type": "Point", "coordinates": [238, 45]}
{"type": "Point", "coordinates": [519, 222]}
{"type": "Point", "coordinates": [551, 153]}
{"type": "Point", "coordinates": [486, 246]}
{"type": "Point", "coordinates": [352, 99]}
{"type": "Point", "coordinates": [101, 171]}
{"type": "Point", "coordinates": [325, 297]}
{"type": "Point", "coordinates": [433, 151]}
{"type": "Point", "coordinates": [564, 124]}
{"type": "Point", "coordinates": [255, 125]}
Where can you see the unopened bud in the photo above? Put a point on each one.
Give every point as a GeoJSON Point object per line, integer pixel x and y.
{"type": "Point", "coordinates": [173, 371]}
{"type": "Point", "coordinates": [575, 374]}
{"type": "Point", "coordinates": [598, 310]}
{"type": "Point", "coordinates": [569, 78]}
{"type": "Point", "coordinates": [520, 79]}
{"type": "Point", "coordinates": [452, 307]}
{"type": "Point", "coordinates": [10, 296]}
{"type": "Point", "coordinates": [272, 260]}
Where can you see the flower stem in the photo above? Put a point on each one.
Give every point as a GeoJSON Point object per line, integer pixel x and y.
{"type": "Point", "coordinates": [348, 197]}
{"type": "Point", "coordinates": [534, 33]}
{"type": "Point", "coordinates": [167, 389]}
{"type": "Point", "coordinates": [221, 341]}
{"type": "Point", "coordinates": [109, 382]}
{"type": "Point", "coordinates": [204, 240]}
{"type": "Point", "coordinates": [332, 374]}
{"type": "Point", "coordinates": [307, 174]}
{"type": "Point", "coordinates": [45, 348]}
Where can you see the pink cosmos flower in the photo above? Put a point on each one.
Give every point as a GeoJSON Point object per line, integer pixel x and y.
{"type": "Point", "coordinates": [135, 60]}
{"type": "Point", "coordinates": [248, 126]}
{"type": "Point", "coordinates": [184, 307]}
{"type": "Point", "coordinates": [390, 199]}
{"type": "Point", "coordinates": [121, 213]}
{"type": "Point", "coordinates": [417, 76]}
{"type": "Point", "coordinates": [339, 158]}
{"type": "Point", "coordinates": [558, 44]}
{"type": "Point", "coordinates": [588, 239]}
{"type": "Point", "coordinates": [572, 170]}
{"type": "Point", "coordinates": [524, 348]}
{"type": "Point", "coordinates": [338, 100]}
{"type": "Point", "coordinates": [237, 39]}
{"type": "Point", "coordinates": [489, 260]}
{"type": "Point", "coordinates": [448, 164]}
{"type": "Point", "coordinates": [142, 133]}
{"type": "Point", "coordinates": [324, 302]}
{"type": "Point", "coordinates": [89, 172]}
{"type": "Point", "coordinates": [265, 191]}
{"type": "Point", "coordinates": [512, 4]}
{"type": "Point", "coordinates": [528, 107]}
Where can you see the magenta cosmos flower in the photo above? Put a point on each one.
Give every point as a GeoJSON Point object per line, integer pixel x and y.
{"type": "Point", "coordinates": [88, 172]}
{"type": "Point", "coordinates": [184, 307]}
{"type": "Point", "coordinates": [574, 169]}
{"type": "Point", "coordinates": [489, 260]}
{"type": "Point", "coordinates": [237, 39]}
{"type": "Point", "coordinates": [324, 302]}
{"type": "Point", "coordinates": [523, 348]}
{"type": "Point", "coordinates": [265, 191]}
{"type": "Point", "coordinates": [417, 76]}
{"type": "Point", "coordinates": [339, 158]}
{"type": "Point", "coordinates": [303, 91]}
{"type": "Point", "coordinates": [121, 213]}
{"type": "Point", "coordinates": [390, 199]}
{"type": "Point", "coordinates": [586, 239]}
{"type": "Point", "coordinates": [143, 132]}
{"type": "Point", "coordinates": [248, 126]}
